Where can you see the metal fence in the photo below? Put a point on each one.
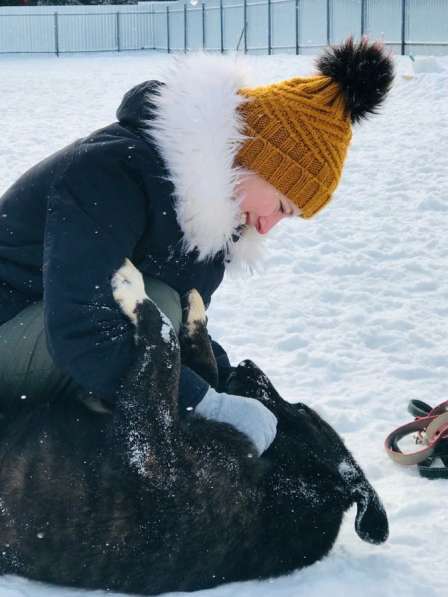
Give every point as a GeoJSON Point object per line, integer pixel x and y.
{"type": "Point", "coordinates": [250, 26]}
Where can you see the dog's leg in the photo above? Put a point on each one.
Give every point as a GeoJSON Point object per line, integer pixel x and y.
{"type": "Point", "coordinates": [146, 402]}
{"type": "Point", "coordinates": [196, 348]}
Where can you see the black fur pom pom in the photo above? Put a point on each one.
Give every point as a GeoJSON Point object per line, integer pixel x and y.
{"type": "Point", "coordinates": [364, 72]}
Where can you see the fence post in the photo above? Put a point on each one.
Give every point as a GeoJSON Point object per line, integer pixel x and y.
{"type": "Point", "coordinates": [363, 16]}
{"type": "Point", "coordinates": [329, 21]}
{"type": "Point", "coordinates": [152, 27]}
{"type": "Point", "coordinates": [221, 22]}
{"type": "Point", "coordinates": [297, 27]}
{"type": "Point", "coordinates": [245, 25]}
{"type": "Point", "coordinates": [403, 26]}
{"type": "Point", "coordinates": [269, 27]}
{"type": "Point", "coordinates": [203, 27]}
{"type": "Point", "coordinates": [56, 34]}
{"type": "Point", "coordinates": [168, 29]}
{"type": "Point", "coordinates": [185, 29]}
{"type": "Point", "coordinates": [239, 40]}
{"type": "Point", "coordinates": [118, 32]}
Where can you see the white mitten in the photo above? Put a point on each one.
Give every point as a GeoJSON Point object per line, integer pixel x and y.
{"type": "Point", "coordinates": [247, 415]}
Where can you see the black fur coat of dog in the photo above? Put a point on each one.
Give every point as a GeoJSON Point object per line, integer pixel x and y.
{"type": "Point", "coordinates": [142, 501]}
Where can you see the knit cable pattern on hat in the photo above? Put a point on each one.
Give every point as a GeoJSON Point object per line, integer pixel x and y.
{"type": "Point", "coordinates": [297, 136]}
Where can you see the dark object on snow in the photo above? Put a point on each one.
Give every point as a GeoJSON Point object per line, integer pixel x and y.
{"type": "Point", "coordinates": [142, 500]}
{"type": "Point", "coordinates": [431, 425]}
{"type": "Point", "coordinates": [363, 71]}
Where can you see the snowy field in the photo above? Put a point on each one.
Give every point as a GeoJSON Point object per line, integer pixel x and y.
{"type": "Point", "coordinates": [348, 315]}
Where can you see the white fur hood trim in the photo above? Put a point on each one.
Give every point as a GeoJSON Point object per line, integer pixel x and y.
{"type": "Point", "coordinates": [198, 132]}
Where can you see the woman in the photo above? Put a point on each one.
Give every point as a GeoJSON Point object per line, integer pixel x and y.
{"type": "Point", "coordinates": [187, 181]}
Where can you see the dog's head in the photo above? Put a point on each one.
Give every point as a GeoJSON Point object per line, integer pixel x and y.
{"type": "Point", "coordinates": [318, 442]}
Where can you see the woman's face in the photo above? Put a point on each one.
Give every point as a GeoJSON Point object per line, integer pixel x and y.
{"type": "Point", "coordinates": [262, 206]}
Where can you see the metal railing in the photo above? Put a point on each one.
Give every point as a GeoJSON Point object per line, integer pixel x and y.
{"type": "Point", "coordinates": [249, 26]}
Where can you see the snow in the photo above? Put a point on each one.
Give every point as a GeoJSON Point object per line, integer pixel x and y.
{"type": "Point", "coordinates": [349, 314]}
{"type": "Point", "coordinates": [165, 331]}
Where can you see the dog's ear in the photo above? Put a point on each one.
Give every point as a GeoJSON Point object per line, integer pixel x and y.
{"type": "Point", "coordinates": [371, 520]}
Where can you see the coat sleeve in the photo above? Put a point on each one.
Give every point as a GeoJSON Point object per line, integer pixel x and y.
{"type": "Point", "coordinates": [192, 387]}
{"type": "Point", "coordinates": [96, 215]}
{"type": "Point", "coordinates": [223, 363]}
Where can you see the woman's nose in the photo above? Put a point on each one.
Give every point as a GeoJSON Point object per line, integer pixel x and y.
{"type": "Point", "coordinates": [266, 223]}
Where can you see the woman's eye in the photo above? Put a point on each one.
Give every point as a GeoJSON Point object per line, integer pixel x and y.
{"type": "Point", "coordinates": [282, 209]}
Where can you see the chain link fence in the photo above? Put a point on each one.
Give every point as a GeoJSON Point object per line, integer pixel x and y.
{"type": "Point", "coordinates": [250, 26]}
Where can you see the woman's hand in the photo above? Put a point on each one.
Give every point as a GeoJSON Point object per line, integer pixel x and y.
{"type": "Point", "coordinates": [247, 415]}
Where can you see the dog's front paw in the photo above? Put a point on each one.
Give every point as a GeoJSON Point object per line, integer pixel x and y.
{"type": "Point", "coordinates": [128, 289]}
{"type": "Point", "coordinates": [195, 312]}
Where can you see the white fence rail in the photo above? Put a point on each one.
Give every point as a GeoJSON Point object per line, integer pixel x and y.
{"type": "Point", "coordinates": [255, 26]}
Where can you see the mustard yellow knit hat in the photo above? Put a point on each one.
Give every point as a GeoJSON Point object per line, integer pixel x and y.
{"type": "Point", "coordinates": [298, 131]}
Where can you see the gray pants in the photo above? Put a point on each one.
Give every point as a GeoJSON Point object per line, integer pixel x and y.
{"type": "Point", "coordinates": [27, 371]}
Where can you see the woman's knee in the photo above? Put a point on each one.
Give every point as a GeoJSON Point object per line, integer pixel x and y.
{"type": "Point", "coordinates": [166, 298]}
{"type": "Point", "coordinates": [27, 371]}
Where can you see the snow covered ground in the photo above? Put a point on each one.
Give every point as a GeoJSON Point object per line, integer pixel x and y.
{"type": "Point", "coordinates": [349, 315]}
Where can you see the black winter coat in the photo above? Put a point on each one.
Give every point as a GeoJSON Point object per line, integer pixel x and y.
{"type": "Point", "coordinates": [158, 187]}
{"type": "Point", "coordinates": [68, 224]}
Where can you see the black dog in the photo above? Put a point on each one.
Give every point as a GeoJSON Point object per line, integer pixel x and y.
{"type": "Point", "coordinates": [140, 500]}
